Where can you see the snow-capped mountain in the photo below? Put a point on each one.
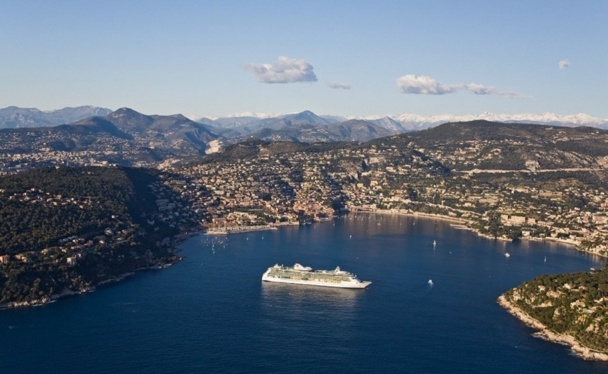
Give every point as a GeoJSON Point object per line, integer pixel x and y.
{"type": "Point", "coordinates": [419, 121]}
{"type": "Point", "coordinates": [293, 125]}
{"type": "Point", "coordinates": [410, 121]}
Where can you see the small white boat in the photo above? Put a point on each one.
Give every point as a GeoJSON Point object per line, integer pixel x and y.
{"type": "Point", "coordinates": [507, 255]}
{"type": "Point", "coordinates": [430, 282]}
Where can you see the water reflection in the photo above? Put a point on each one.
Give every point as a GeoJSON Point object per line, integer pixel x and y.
{"type": "Point", "coordinates": [305, 295]}
{"type": "Point", "coordinates": [298, 315]}
{"type": "Point", "coordinates": [390, 224]}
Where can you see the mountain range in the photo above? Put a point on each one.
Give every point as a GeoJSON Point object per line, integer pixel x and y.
{"type": "Point", "coordinates": [124, 136]}
{"type": "Point", "coordinates": [306, 126]}
{"type": "Point", "coordinates": [245, 123]}
{"type": "Point", "coordinates": [14, 117]}
{"type": "Point", "coordinates": [413, 122]}
{"type": "Point", "coordinates": [133, 137]}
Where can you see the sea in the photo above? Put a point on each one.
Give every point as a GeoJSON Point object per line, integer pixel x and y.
{"type": "Point", "coordinates": [211, 313]}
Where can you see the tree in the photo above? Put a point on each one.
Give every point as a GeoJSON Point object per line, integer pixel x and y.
{"type": "Point", "coordinates": [494, 224]}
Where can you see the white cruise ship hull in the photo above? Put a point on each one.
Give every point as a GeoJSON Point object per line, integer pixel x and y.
{"type": "Point", "coordinates": [312, 282]}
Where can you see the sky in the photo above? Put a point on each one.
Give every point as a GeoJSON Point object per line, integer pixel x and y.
{"type": "Point", "coordinates": [351, 58]}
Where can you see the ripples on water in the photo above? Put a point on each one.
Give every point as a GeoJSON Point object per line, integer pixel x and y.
{"type": "Point", "coordinates": [212, 313]}
{"type": "Point", "coordinates": [287, 311]}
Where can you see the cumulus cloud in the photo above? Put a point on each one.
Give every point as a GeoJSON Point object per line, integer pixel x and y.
{"type": "Point", "coordinates": [423, 85]}
{"type": "Point", "coordinates": [564, 64]}
{"type": "Point", "coordinates": [285, 70]}
{"type": "Point", "coordinates": [339, 86]}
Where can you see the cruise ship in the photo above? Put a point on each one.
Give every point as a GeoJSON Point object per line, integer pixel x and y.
{"type": "Point", "coordinates": [299, 274]}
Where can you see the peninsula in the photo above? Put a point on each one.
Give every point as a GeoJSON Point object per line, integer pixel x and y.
{"type": "Point", "coordinates": [570, 309]}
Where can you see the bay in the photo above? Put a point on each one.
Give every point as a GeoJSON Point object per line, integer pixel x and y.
{"type": "Point", "coordinates": [211, 312]}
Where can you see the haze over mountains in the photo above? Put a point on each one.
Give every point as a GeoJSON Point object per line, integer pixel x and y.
{"type": "Point", "coordinates": [127, 137]}
{"type": "Point", "coordinates": [412, 122]}
{"type": "Point", "coordinates": [15, 117]}
{"type": "Point", "coordinates": [158, 137]}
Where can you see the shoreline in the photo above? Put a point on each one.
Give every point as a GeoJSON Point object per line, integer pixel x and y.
{"type": "Point", "coordinates": [400, 212]}
{"type": "Point", "coordinates": [543, 332]}
{"type": "Point", "coordinates": [66, 293]}
{"type": "Point", "coordinates": [461, 224]}
{"type": "Point", "coordinates": [242, 229]}
{"type": "Point", "coordinates": [238, 229]}
{"type": "Point", "coordinates": [456, 223]}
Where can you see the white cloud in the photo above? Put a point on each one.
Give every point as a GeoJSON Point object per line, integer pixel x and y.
{"type": "Point", "coordinates": [339, 86]}
{"type": "Point", "coordinates": [423, 85]}
{"type": "Point", "coordinates": [480, 89]}
{"type": "Point", "coordinates": [285, 70]}
{"type": "Point", "coordinates": [564, 64]}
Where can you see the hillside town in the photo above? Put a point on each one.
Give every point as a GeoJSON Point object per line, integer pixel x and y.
{"type": "Point", "coordinates": [539, 199]}
{"type": "Point", "coordinates": [302, 187]}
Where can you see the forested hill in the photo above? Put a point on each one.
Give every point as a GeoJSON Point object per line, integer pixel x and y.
{"type": "Point", "coordinates": [493, 145]}
{"type": "Point", "coordinates": [67, 229]}
{"type": "Point", "coordinates": [574, 304]}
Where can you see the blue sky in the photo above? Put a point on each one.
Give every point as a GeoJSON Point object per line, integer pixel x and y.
{"type": "Point", "coordinates": [332, 57]}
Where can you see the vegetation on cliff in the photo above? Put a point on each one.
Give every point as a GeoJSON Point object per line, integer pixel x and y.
{"type": "Point", "coordinates": [574, 304]}
{"type": "Point", "coordinates": [65, 230]}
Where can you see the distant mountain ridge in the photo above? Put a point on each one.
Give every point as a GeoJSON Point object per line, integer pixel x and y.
{"type": "Point", "coordinates": [308, 127]}
{"type": "Point", "coordinates": [250, 122]}
{"type": "Point", "coordinates": [174, 132]}
{"type": "Point", "coordinates": [580, 119]}
{"type": "Point", "coordinates": [14, 117]}
{"type": "Point", "coordinates": [127, 137]}
{"type": "Point", "coordinates": [87, 127]}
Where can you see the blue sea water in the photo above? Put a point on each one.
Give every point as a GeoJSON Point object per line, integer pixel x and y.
{"type": "Point", "coordinates": [211, 313]}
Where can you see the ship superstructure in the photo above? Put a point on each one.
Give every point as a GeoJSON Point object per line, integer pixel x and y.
{"type": "Point", "coordinates": [299, 274]}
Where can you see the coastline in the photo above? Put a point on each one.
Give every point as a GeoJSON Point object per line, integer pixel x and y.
{"type": "Point", "coordinates": [241, 229]}
{"type": "Point", "coordinates": [238, 229]}
{"type": "Point", "coordinates": [543, 332]}
{"type": "Point", "coordinates": [66, 293]}
{"type": "Point", "coordinates": [462, 224]}
{"type": "Point", "coordinates": [457, 223]}
{"type": "Point", "coordinates": [177, 240]}
{"type": "Point", "coordinates": [401, 212]}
